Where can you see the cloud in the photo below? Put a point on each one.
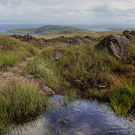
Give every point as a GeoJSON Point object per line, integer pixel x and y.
{"type": "Point", "coordinates": [77, 10]}
{"type": "Point", "coordinates": [10, 2]}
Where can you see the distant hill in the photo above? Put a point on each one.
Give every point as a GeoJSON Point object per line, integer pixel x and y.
{"type": "Point", "coordinates": [47, 29]}
{"type": "Point", "coordinates": [121, 29]}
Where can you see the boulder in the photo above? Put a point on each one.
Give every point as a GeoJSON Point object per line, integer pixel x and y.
{"type": "Point", "coordinates": [129, 36]}
{"type": "Point", "coordinates": [133, 32]}
{"type": "Point", "coordinates": [87, 37]}
{"type": "Point", "coordinates": [126, 32]}
{"type": "Point", "coordinates": [78, 36]}
{"type": "Point", "coordinates": [115, 44]}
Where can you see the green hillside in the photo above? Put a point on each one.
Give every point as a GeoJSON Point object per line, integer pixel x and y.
{"type": "Point", "coordinates": [46, 30]}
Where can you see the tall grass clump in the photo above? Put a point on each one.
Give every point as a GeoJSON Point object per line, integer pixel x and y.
{"type": "Point", "coordinates": [39, 68]}
{"type": "Point", "coordinates": [13, 50]}
{"type": "Point", "coordinates": [122, 98]}
{"type": "Point", "coordinates": [20, 100]}
{"type": "Point", "coordinates": [78, 62]}
{"type": "Point", "coordinates": [9, 60]}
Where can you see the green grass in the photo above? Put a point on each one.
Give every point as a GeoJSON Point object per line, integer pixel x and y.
{"type": "Point", "coordinates": [68, 96]}
{"type": "Point", "coordinates": [47, 29]}
{"type": "Point", "coordinates": [83, 68]}
{"type": "Point", "coordinates": [39, 68]}
{"type": "Point", "coordinates": [79, 62]}
{"type": "Point", "coordinates": [122, 99]}
{"type": "Point", "coordinates": [13, 51]}
{"type": "Point", "coordinates": [20, 100]}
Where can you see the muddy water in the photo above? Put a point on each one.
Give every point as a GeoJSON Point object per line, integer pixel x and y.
{"type": "Point", "coordinates": [80, 117]}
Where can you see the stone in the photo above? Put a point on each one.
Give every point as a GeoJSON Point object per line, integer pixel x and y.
{"type": "Point", "coordinates": [101, 86]}
{"type": "Point", "coordinates": [115, 44]}
{"type": "Point", "coordinates": [62, 37]}
{"type": "Point", "coordinates": [87, 37]}
{"type": "Point", "coordinates": [2, 46]}
{"type": "Point", "coordinates": [126, 32]}
{"type": "Point", "coordinates": [78, 36]}
{"type": "Point", "coordinates": [129, 36]}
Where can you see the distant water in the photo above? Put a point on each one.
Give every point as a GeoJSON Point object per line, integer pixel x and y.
{"type": "Point", "coordinates": [102, 27]}
{"type": "Point", "coordinates": [4, 27]}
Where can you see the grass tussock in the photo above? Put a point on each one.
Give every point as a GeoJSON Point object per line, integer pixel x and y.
{"type": "Point", "coordinates": [85, 68]}
{"type": "Point", "coordinates": [79, 62]}
{"type": "Point", "coordinates": [20, 100]}
{"type": "Point", "coordinates": [12, 50]}
{"type": "Point", "coordinates": [122, 98]}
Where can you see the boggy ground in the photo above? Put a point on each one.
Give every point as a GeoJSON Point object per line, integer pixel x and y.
{"type": "Point", "coordinates": [74, 63]}
{"type": "Point", "coordinates": [22, 96]}
{"type": "Point", "coordinates": [63, 64]}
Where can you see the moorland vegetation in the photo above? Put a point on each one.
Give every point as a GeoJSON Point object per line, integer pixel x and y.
{"type": "Point", "coordinates": [66, 64]}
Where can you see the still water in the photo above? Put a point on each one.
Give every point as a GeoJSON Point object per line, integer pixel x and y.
{"type": "Point", "coordinates": [79, 117]}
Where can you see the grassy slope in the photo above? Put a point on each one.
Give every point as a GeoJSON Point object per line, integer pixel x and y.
{"type": "Point", "coordinates": [18, 100]}
{"type": "Point", "coordinates": [46, 30]}
{"type": "Point", "coordinates": [13, 51]}
{"type": "Point", "coordinates": [80, 62]}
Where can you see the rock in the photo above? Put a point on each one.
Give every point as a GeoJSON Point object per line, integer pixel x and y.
{"type": "Point", "coordinates": [48, 90]}
{"type": "Point", "coordinates": [57, 54]}
{"type": "Point", "coordinates": [87, 37]}
{"type": "Point", "coordinates": [78, 41]}
{"type": "Point", "coordinates": [129, 36]}
{"type": "Point", "coordinates": [115, 44]}
{"type": "Point", "coordinates": [59, 51]}
{"type": "Point", "coordinates": [62, 37]}
{"type": "Point", "coordinates": [45, 40]}
{"type": "Point", "coordinates": [87, 42]}
{"type": "Point", "coordinates": [78, 36]}
{"type": "Point", "coordinates": [23, 38]}
{"type": "Point", "coordinates": [2, 46]}
{"type": "Point", "coordinates": [101, 87]}
{"type": "Point", "coordinates": [126, 32]}
{"type": "Point", "coordinates": [133, 32]}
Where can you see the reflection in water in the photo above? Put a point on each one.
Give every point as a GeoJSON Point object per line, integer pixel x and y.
{"type": "Point", "coordinates": [80, 117]}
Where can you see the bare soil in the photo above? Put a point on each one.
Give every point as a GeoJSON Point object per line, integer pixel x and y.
{"type": "Point", "coordinates": [18, 73]}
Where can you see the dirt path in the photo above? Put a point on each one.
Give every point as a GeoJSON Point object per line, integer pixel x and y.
{"type": "Point", "coordinates": [16, 73]}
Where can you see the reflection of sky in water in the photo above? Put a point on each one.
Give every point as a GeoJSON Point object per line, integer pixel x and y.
{"type": "Point", "coordinates": [82, 117]}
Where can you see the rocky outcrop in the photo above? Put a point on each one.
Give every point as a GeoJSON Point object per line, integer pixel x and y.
{"type": "Point", "coordinates": [115, 44]}
{"type": "Point", "coordinates": [28, 37]}
{"type": "Point", "coordinates": [23, 37]}
{"type": "Point", "coordinates": [129, 34]}
{"type": "Point", "coordinates": [75, 41]}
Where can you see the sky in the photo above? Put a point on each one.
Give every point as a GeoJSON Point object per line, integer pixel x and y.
{"type": "Point", "coordinates": [68, 11]}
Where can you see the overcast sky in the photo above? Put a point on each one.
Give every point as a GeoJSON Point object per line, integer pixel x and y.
{"type": "Point", "coordinates": [68, 11]}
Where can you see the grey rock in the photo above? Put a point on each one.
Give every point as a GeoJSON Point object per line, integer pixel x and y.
{"type": "Point", "coordinates": [87, 37]}
{"type": "Point", "coordinates": [115, 44]}
{"type": "Point", "coordinates": [126, 32]}
{"type": "Point", "coordinates": [129, 36]}
{"type": "Point", "coordinates": [2, 46]}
